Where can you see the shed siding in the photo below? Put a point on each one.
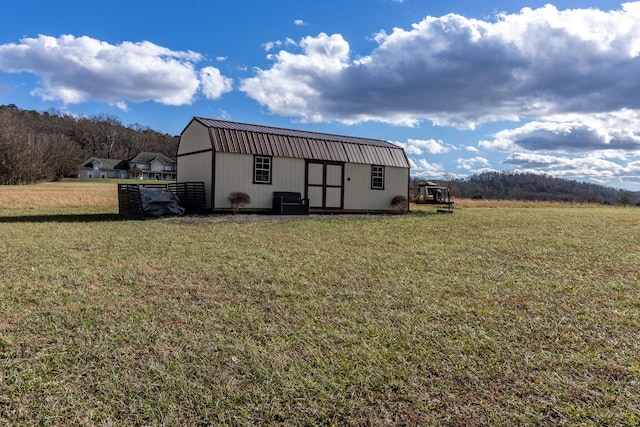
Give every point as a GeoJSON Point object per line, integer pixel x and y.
{"type": "Point", "coordinates": [360, 196]}
{"type": "Point", "coordinates": [234, 172]}
{"type": "Point", "coordinates": [197, 168]}
{"type": "Point", "coordinates": [288, 175]}
{"type": "Point", "coordinates": [221, 154]}
{"type": "Point", "coordinates": [194, 138]}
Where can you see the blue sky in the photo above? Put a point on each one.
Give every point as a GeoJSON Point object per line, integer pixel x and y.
{"type": "Point", "coordinates": [464, 86]}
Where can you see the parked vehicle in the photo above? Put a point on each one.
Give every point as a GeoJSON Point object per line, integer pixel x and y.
{"type": "Point", "coordinates": [430, 192]}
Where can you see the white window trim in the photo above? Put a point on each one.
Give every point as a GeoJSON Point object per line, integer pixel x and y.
{"type": "Point", "coordinates": [268, 169]}
{"type": "Point", "coordinates": [377, 173]}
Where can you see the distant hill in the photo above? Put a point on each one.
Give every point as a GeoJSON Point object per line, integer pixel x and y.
{"type": "Point", "coordinates": [529, 186]}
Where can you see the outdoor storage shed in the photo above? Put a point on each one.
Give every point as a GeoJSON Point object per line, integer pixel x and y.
{"type": "Point", "coordinates": [336, 173]}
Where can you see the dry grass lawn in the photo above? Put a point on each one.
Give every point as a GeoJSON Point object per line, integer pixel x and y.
{"type": "Point", "coordinates": [66, 194]}
{"type": "Point", "coordinates": [500, 314]}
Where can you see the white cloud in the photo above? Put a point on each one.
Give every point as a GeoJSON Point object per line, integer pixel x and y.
{"type": "Point", "coordinates": [471, 148]}
{"type": "Point", "coordinates": [122, 105]}
{"type": "Point", "coordinates": [617, 133]}
{"type": "Point", "coordinates": [457, 71]}
{"type": "Point", "coordinates": [473, 164]}
{"type": "Point", "coordinates": [576, 146]}
{"type": "Point", "coordinates": [422, 167]}
{"type": "Point", "coordinates": [417, 146]}
{"type": "Point", "coordinates": [299, 22]}
{"type": "Point", "coordinates": [271, 44]}
{"type": "Point", "coordinates": [214, 84]}
{"type": "Point", "coordinates": [409, 149]}
{"type": "Point", "coordinates": [292, 83]}
{"type": "Point", "coordinates": [78, 69]}
{"type": "Point", "coordinates": [224, 114]}
{"type": "Point", "coordinates": [431, 145]}
{"type": "Point", "coordinates": [590, 166]}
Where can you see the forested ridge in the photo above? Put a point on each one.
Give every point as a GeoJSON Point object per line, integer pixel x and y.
{"type": "Point", "coordinates": [531, 186]}
{"type": "Point", "coordinates": [37, 146]}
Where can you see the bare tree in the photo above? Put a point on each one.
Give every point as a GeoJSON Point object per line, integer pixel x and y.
{"type": "Point", "coordinates": [63, 157]}
{"type": "Point", "coordinates": [18, 163]}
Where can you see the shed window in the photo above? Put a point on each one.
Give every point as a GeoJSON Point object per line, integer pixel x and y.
{"type": "Point", "coordinates": [377, 177]}
{"type": "Point", "coordinates": [262, 170]}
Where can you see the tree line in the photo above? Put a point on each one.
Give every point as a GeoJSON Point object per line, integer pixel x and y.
{"type": "Point", "coordinates": [37, 146]}
{"type": "Point", "coordinates": [530, 186]}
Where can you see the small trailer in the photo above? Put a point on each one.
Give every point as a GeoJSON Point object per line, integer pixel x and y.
{"type": "Point", "coordinates": [433, 194]}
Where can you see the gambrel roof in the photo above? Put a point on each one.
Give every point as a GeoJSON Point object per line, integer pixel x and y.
{"type": "Point", "coordinates": [233, 137]}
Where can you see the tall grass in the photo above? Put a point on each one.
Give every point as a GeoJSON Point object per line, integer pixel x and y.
{"type": "Point", "coordinates": [517, 315]}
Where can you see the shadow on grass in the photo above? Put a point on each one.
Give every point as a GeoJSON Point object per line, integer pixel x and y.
{"type": "Point", "coordinates": [61, 218]}
{"type": "Point", "coordinates": [423, 213]}
{"type": "Point", "coordinates": [106, 217]}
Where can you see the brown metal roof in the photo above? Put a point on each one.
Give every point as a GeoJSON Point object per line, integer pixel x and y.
{"type": "Point", "coordinates": [233, 137]}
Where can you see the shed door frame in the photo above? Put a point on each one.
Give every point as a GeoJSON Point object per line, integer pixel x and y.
{"type": "Point", "coordinates": [328, 186]}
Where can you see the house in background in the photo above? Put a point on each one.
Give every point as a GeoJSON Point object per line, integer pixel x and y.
{"type": "Point", "coordinates": [104, 168]}
{"type": "Point", "coordinates": [336, 173]}
{"type": "Point", "coordinates": [155, 166]}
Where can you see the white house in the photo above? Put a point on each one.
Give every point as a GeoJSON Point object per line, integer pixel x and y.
{"type": "Point", "coordinates": [153, 166]}
{"type": "Point", "coordinates": [145, 165]}
{"type": "Point", "coordinates": [95, 167]}
{"type": "Point", "coordinates": [336, 173]}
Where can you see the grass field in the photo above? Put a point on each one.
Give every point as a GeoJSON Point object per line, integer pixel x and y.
{"type": "Point", "coordinates": [500, 314]}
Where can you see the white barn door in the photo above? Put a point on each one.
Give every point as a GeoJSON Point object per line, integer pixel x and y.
{"type": "Point", "coordinates": [325, 185]}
